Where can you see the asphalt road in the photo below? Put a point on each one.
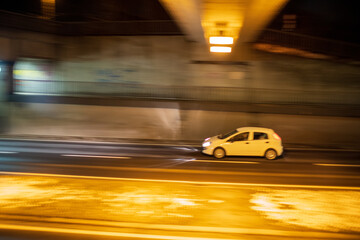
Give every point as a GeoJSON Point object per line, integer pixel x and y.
{"type": "Point", "coordinates": [168, 172]}
{"type": "Point", "coordinates": [340, 168]}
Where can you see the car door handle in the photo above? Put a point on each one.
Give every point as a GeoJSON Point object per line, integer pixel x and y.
{"type": "Point", "coordinates": [247, 143]}
{"type": "Point", "coordinates": [266, 142]}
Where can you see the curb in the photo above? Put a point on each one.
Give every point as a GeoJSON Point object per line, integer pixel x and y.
{"type": "Point", "coordinates": [120, 142]}
{"type": "Point", "coordinates": [175, 228]}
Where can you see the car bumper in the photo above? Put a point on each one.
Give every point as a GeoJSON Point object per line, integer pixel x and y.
{"type": "Point", "coordinates": [280, 150]}
{"type": "Point", "coordinates": [207, 150]}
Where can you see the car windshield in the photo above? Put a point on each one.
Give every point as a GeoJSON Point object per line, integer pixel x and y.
{"type": "Point", "coordinates": [228, 134]}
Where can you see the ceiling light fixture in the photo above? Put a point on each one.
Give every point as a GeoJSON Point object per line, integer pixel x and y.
{"type": "Point", "coordinates": [220, 49]}
{"type": "Point", "coordinates": [221, 40]}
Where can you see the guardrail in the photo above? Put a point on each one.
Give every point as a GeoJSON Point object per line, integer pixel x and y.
{"type": "Point", "coordinates": [202, 93]}
{"type": "Point", "coordinates": [143, 27]}
{"type": "Point", "coordinates": [309, 43]}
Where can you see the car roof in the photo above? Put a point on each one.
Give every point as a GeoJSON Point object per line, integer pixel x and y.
{"type": "Point", "coordinates": [254, 129]}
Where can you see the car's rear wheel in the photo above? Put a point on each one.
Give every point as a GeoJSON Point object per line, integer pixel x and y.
{"type": "Point", "coordinates": [270, 154]}
{"type": "Point", "coordinates": [219, 153]}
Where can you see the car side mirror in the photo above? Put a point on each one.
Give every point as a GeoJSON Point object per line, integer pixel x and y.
{"type": "Point", "coordinates": [230, 140]}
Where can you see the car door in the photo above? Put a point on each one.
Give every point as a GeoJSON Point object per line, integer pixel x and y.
{"type": "Point", "coordinates": [259, 143]}
{"type": "Point", "coordinates": [238, 144]}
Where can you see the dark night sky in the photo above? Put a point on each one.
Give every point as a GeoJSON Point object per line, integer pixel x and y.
{"type": "Point", "coordinates": [334, 19]}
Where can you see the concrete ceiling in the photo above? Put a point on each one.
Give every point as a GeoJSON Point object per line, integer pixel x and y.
{"type": "Point", "coordinates": [241, 19]}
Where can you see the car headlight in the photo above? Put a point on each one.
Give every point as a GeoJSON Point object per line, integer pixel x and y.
{"type": "Point", "coordinates": [206, 144]}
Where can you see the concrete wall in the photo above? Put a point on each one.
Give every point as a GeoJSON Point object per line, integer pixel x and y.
{"type": "Point", "coordinates": [286, 72]}
{"type": "Point", "coordinates": [15, 44]}
{"type": "Point", "coordinates": [172, 61]}
{"type": "Point", "coordinates": [175, 124]}
{"type": "Point", "coordinates": [102, 64]}
{"type": "Point", "coordinates": [146, 59]}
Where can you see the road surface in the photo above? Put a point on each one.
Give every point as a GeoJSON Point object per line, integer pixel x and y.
{"type": "Point", "coordinates": [133, 191]}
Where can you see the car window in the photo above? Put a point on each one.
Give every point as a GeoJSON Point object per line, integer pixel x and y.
{"type": "Point", "coordinates": [260, 136]}
{"type": "Point", "coordinates": [228, 134]}
{"type": "Point", "coordinates": [241, 137]}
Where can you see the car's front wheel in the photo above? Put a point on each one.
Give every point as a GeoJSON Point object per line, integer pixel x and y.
{"type": "Point", "coordinates": [219, 153]}
{"type": "Point", "coordinates": [270, 154]}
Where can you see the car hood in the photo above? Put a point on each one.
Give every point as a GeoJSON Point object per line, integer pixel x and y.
{"type": "Point", "coordinates": [214, 139]}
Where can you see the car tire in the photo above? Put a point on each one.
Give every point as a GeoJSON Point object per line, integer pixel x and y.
{"type": "Point", "coordinates": [270, 154]}
{"type": "Point", "coordinates": [219, 153]}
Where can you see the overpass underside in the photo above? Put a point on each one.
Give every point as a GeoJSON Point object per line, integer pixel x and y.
{"type": "Point", "coordinates": [241, 20]}
{"type": "Point", "coordinates": [167, 67]}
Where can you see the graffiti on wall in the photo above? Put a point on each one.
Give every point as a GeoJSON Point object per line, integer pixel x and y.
{"type": "Point", "coordinates": [118, 75]}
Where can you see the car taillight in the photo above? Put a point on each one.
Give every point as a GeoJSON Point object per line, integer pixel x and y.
{"type": "Point", "coordinates": [277, 137]}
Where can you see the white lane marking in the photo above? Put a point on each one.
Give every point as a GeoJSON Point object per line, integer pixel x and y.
{"type": "Point", "coordinates": [4, 152]}
{"type": "Point", "coordinates": [323, 149]}
{"type": "Point", "coordinates": [216, 161]}
{"type": "Point", "coordinates": [100, 142]}
{"type": "Point", "coordinates": [336, 165]}
{"type": "Point", "coordinates": [192, 171]}
{"type": "Point", "coordinates": [101, 233]}
{"type": "Point", "coordinates": [94, 156]}
{"type": "Point", "coordinates": [181, 181]}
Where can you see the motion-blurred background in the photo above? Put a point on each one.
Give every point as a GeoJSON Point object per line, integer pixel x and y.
{"type": "Point", "coordinates": [143, 69]}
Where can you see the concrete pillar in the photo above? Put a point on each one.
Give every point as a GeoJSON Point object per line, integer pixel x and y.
{"type": "Point", "coordinates": [48, 9]}
{"type": "Point", "coordinates": [9, 78]}
{"type": "Point", "coordinates": [6, 90]}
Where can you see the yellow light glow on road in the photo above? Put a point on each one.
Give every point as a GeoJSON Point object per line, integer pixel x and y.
{"type": "Point", "coordinates": [220, 49]}
{"type": "Point", "coordinates": [35, 199]}
{"type": "Point", "coordinates": [221, 40]}
{"type": "Point", "coordinates": [214, 161]}
{"type": "Point", "coordinates": [94, 156]}
{"type": "Point", "coordinates": [336, 165]}
{"type": "Point", "coordinates": [196, 182]}
{"type": "Point", "coordinates": [101, 233]}
{"type": "Point", "coordinates": [294, 206]}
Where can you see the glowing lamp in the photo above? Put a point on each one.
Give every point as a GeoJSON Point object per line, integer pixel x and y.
{"type": "Point", "coordinates": [220, 49]}
{"type": "Point", "coordinates": [221, 40]}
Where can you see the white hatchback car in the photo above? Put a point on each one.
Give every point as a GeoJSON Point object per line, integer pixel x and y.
{"type": "Point", "coordinates": [245, 141]}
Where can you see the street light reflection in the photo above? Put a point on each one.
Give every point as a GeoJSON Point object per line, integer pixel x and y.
{"type": "Point", "coordinates": [226, 208]}
{"type": "Point", "coordinates": [322, 210]}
